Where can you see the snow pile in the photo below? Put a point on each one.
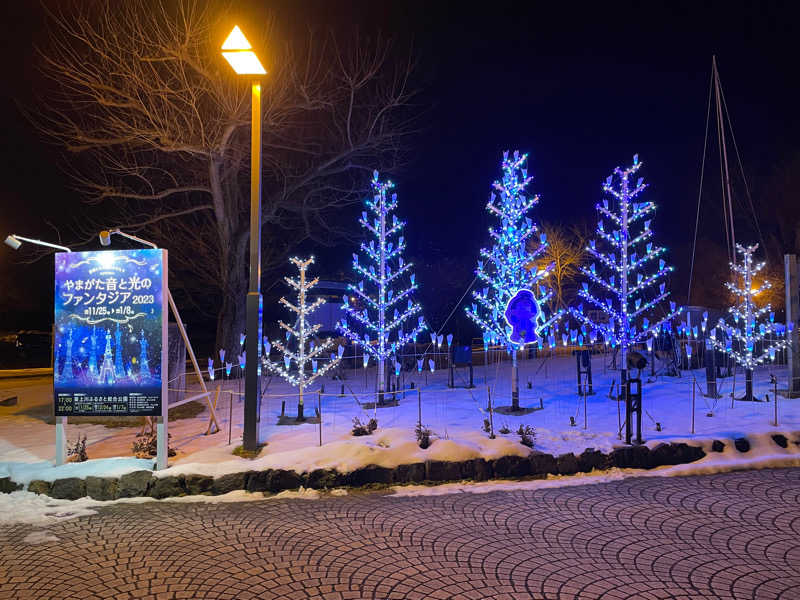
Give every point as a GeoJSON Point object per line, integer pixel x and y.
{"type": "Point", "coordinates": [28, 508]}
{"type": "Point", "coordinates": [385, 448]}
{"type": "Point", "coordinates": [764, 453]}
{"type": "Point", "coordinates": [33, 509]}
{"type": "Point", "coordinates": [25, 472]}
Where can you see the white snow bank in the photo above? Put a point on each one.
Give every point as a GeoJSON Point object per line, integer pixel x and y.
{"type": "Point", "coordinates": [39, 510]}
{"type": "Point", "coordinates": [25, 472]}
{"type": "Point", "coordinates": [764, 453]}
{"type": "Point", "coordinates": [385, 448]}
{"type": "Point", "coordinates": [32, 509]}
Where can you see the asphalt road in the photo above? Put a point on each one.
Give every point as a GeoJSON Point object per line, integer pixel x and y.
{"type": "Point", "coordinates": [734, 535]}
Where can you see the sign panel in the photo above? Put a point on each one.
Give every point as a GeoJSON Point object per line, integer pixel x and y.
{"type": "Point", "coordinates": [110, 324]}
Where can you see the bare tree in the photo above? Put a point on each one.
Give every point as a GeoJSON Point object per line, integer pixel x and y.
{"type": "Point", "coordinates": [156, 127]}
{"type": "Point", "coordinates": [566, 251]}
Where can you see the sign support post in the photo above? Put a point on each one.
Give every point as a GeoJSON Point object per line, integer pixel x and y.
{"type": "Point", "coordinates": [162, 425]}
{"type": "Point", "coordinates": [61, 441]}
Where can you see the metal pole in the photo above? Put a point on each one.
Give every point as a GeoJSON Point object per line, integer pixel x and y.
{"type": "Point", "coordinates": [254, 302]}
{"type": "Point", "coordinates": [775, 391]}
{"type": "Point", "coordinates": [162, 425]}
{"type": "Point", "coordinates": [491, 412]}
{"type": "Point", "coordinates": [61, 440]}
{"type": "Point", "coordinates": [791, 276]}
{"type": "Point", "coordinates": [419, 407]}
{"type": "Point", "coordinates": [192, 356]}
{"type": "Point", "coordinates": [319, 410]}
{"type": "Point", "coordinates": [230, 417]}
{"type": "Point", "coordinates": [692, 384]}
{"type": "Point", "coordinates": [586, 416]}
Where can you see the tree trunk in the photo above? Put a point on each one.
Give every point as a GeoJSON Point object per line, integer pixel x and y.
{"type": "Point", "coordinates": [514, 381]}
{"type": "Point", "coordinates": [232, 315]}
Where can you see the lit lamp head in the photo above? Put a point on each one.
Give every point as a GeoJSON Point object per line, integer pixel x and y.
{"type": "Point", "coordinates": [13, 243]}
{"type": "Point", "coordinates": [105, 237]}
{"type": "Point", "coordinates": [239, 54]}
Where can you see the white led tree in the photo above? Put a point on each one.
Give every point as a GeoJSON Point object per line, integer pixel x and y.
{"type": "Point", "coordinates": [384, 293]}
{"type": "Point", "coordinates": [300, 352]}
{"type": "Point", "coordinates": [746, 339]}
{"type": "Point", "coordinates": [627, 279]}
{"type": "Point", "coordinates": [510, 264]}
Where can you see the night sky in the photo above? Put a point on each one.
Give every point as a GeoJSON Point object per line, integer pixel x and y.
{"type": "Point", "coordinates": [580, 87]}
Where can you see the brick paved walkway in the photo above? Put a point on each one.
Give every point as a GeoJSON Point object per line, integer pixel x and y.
{"type": "Point", "coordinates": [734, 535]}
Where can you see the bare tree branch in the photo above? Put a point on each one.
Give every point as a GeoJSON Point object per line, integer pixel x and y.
{"type": "Point", "coordinates": [155, 129]}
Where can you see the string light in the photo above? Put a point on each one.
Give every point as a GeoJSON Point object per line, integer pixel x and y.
{"type": "Point", "coordinates": [308, 350]}
{"type": "Point", "coordinates": [739, 340]}
{"type": "Point", "coordinates": [618, 273]}
{"type": "Point", "coordinates": [504, 268]}
{"type": "Point", "coordinates": [384, 311]}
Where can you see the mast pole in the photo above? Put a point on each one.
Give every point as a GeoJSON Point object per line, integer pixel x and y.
{"type": "Point", "coordinates": [726, 191]}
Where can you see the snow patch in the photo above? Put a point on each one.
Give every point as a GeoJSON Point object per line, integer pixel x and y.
{"type": "Point", "coordinates": [25, 472]}
{"type": "Point", "coordinates": [39, 537]}
{"type": "Point", "coordinates": [33, 509]}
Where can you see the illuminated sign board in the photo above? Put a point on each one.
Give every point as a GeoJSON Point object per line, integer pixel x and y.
{"type": "Point", "coordinates": [110, 332]}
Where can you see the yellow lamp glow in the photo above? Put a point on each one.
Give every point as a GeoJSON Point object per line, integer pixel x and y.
{"type": "Point", "coordinates": [239, 54]}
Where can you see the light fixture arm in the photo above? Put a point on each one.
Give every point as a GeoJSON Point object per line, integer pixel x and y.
{"type": "Point", "coordinates": [14, 239]}
{"type": "Point", "coordinates": [129, 236]}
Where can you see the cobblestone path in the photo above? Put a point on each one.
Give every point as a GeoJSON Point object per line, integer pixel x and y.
{"type": "Point", "coordinates": [734, 535]}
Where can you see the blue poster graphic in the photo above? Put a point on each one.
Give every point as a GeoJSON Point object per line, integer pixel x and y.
{"type": "Point", "coordinates": [108, 332]}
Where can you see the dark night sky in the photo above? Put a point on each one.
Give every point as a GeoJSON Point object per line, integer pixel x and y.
{"type": "Point", "coordinates": [581, 87]}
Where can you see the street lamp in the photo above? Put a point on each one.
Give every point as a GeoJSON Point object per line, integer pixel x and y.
{"type": "Point", "coordinates": [239, 54]}
{"type": "Point", "coordinates": [14, 241]}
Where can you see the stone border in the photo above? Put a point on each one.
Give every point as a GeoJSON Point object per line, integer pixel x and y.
{"type": "Point", "coordinates": [535, 465]}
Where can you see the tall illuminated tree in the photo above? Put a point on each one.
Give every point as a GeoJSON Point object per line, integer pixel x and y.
{"type": "Point", "coordinates": [626, 280]}
{"type": "Point", "coordinates": [300, 352]}
{"type": "Point", "coordinates": [509, 265]}
{"type": "Point", "coordinates": [746, 339]}
{"type": "Point", "coordinates": [384, 292]}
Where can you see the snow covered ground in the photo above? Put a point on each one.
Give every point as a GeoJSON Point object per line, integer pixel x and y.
{"type": "Point", "coordinates": [455, 416]}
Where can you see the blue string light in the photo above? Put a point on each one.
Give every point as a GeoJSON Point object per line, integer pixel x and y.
{"type": "Point", "coordinates": [622, 252]}
{"type": "Point", "coordinates": [383, 311]}
{"type": "Point", "coordinates": [508, 266]}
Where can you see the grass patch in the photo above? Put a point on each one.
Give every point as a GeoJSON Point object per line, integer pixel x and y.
{"type": "Point", "coordinates": [242, 453]}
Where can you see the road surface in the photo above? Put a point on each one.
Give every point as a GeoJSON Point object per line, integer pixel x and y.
{"type": "Point", "coordinates": [734, 535]}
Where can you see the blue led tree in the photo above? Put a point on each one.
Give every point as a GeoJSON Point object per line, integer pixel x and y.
{"type": "Point", "coordinates": [383, 294]}
{"type": "Point", "coordinates": [627, 277]}
{"type": "Point", "coordinates": [510, 264]}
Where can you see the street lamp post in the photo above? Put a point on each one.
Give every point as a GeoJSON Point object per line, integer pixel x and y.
{"type": "Point", "coordinates": [14, 242]}
{"type": "Point", "coordinates": [239, 54]}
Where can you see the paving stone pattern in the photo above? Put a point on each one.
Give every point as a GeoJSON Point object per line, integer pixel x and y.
{"type": "Point", "coordinates": [734, 535]}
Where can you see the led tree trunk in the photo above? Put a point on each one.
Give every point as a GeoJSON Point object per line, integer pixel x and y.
{"type": "Point", "coordinates": [300, 365]}
{"type": "Point", "coordinates": [746, 333]}
{"type": "Point", "coordinates": [383, 296]}
{"type": "Point", "coordinates": [509, 265]}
